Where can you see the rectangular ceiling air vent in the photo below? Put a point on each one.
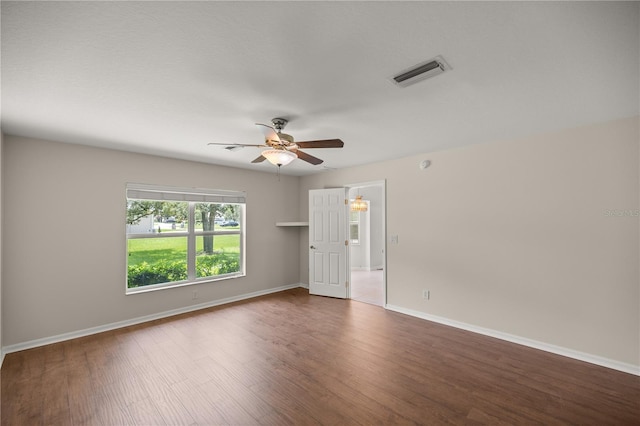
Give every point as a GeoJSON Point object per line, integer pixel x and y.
{"type": "Point", "coordinates": [421, 72]}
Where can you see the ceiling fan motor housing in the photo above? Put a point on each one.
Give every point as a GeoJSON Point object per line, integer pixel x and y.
{"type": "Point", "coordinates": [285, 137]}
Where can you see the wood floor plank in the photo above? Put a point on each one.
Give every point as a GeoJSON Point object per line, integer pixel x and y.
{"type": "Point", "coordinates": [232, 412]}
{"type": "Point", "coordinates": [171, 409]}
{"type": "Point", "coordinates": [146, 412]}
{"type": "Point", "coordinates": [292, 359]}
{"type": "Point", "coordinates": [239, 392]}
{"type": "Point", "coordinates": [56, 404]}
{"type": "Point", "coordinates": [197, 404]}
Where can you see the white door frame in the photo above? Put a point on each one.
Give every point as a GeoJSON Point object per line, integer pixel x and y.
{"type": "Point", "coordinates": [383, 185]}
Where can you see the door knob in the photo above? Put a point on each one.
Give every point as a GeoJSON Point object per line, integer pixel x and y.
{"type": "Point", "coordinates": [312, 247]}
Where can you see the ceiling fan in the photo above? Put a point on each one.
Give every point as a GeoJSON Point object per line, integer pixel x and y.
{"type": "Point", "coordinates": [281, 147]}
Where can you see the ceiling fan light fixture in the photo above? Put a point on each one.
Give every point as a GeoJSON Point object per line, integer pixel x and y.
{"type": "Point", "coordinates": [279, 157]}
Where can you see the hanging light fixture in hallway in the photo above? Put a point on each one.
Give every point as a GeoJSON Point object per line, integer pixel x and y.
{"type": "Point", "coordinates": [358, 205]}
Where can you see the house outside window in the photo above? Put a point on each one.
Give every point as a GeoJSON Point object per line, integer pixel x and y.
{"type": "Point", "coordinates": [183, 236]}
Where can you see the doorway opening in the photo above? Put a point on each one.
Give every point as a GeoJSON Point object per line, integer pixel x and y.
{"type": "Point", "coordinates": [367, 244]}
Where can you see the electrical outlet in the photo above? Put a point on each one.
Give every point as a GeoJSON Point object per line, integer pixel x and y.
{"type": "Point", "coordinates": [194, 295]}
{"type": "Point", "coordinates": [425, 294]}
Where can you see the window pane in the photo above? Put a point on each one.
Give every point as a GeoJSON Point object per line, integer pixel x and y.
{"type": "Point", "coordinates": [156, 260]}
{"type": "Point", "coordinates": [217, 255]}
{"type": "Point", "coordinates": [147, 217]}
{"type": "Point", "coordinates": [210, 216]}
{"type": "Point", "coordinates": [354, 233]}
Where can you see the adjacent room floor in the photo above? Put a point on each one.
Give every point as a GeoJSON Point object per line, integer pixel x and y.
{"type": "Point", "coordinates": [368, 286]}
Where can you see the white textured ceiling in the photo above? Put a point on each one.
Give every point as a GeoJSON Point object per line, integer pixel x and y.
{"type": "Point", "coordinates": [168, 77]}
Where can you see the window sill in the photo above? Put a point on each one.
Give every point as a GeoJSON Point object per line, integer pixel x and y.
{"type": "Point", "coordinates": [165, 286]}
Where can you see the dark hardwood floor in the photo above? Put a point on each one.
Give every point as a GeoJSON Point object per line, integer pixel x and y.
{"type": "Point", "coordinates": [291, 358]}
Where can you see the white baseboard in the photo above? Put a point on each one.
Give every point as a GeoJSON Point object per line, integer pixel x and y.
{"type": "Point", "coordinates": [304, 285]}
{"type": "Point", "coordinates": [120, 324]}
{"type": "Point", "coordinates": [558, 350]}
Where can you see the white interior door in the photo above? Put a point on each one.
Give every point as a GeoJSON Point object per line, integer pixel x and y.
{"type": "Point", "coordinates": [328, 242]}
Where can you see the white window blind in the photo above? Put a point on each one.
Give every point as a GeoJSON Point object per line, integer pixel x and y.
{"type": "Point", "coordinates": [148, 192]}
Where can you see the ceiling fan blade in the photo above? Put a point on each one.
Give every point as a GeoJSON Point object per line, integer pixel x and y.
{"type": "Point", "coordinates": [325, 143]}
{"type": "Point", "coordinates": [259, 159]}
{"type": "Point", "coordinates": [270, 134]}
{"type": "Point", "coordinates": [308, 158]}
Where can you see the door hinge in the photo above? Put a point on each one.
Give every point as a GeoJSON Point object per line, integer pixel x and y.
{"type": "Point", "coordinates": [346, 283]}
{"type": "Point", "coordinates": [346, 202]}
{"type": "Point", "coordinates": [346, 242]}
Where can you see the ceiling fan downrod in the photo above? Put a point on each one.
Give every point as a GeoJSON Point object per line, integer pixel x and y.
{"type": "Point", "coordinates": [279, 124]}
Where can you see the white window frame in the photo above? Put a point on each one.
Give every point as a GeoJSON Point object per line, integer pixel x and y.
{"type": "Point", "coordinates": [192, 196]}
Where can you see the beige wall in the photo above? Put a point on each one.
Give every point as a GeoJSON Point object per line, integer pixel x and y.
{"type": "Point", "coordinates": [514, 236]}
{"type": "Point", "coordinates": [64, 258]}
{"type": "Point", "coordinates": [1, 226]}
